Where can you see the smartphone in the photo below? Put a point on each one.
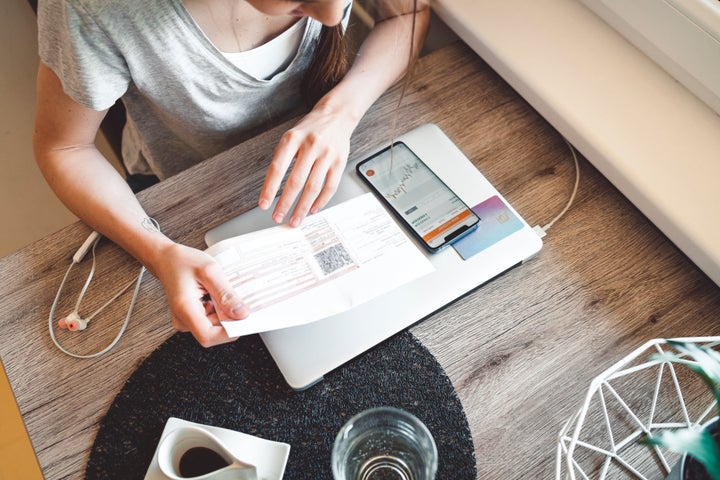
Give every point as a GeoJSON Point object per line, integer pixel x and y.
{"type": "Point", "coordinates": [426, 206]}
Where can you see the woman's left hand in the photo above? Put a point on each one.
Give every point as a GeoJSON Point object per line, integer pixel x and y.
{"type": "Point", "coordinates": [317, 148]}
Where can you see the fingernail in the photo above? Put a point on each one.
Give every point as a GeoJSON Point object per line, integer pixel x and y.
{"type": "Point", "coordinates": [238, 310]}
{"type": "Point", "coordinates": [279, 217]}
{"type": "Point", "coordinates": [294, 221]}
{"type": "Point", "coordinates": [264, 204]}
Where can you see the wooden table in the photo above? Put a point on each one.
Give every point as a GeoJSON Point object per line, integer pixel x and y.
{"type": "Point", "coordinates": [520, 351]}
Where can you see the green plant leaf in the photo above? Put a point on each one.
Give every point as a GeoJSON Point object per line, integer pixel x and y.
{"type": "Point", "coordinates": [708, 360]}
{"type": "Point", "coordinates": [698, 443]}
{"type": "Point", "coordinates": [703, 360]}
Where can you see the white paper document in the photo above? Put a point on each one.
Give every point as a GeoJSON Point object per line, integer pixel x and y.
{"type": "Point", "coordinates": [337, 259]}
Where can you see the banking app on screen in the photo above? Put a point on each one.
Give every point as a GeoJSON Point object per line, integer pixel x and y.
{"type": "Point", "coordinates": [428, 206]}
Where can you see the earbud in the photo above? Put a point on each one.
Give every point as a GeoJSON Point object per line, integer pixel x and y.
{"type": "Point", "coordinates": [73, 322]}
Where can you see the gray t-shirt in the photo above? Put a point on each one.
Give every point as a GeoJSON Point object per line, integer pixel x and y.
{"type": "Point", "coordinates": [185, 101]}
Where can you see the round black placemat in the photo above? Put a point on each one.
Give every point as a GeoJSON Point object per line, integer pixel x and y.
{"type": "Point", "coordinates": [237, 386]}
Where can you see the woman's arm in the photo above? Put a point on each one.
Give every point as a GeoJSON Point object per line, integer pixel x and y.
{"type": "Point", "coordinates": [94, 191]}
{"type": "Point", "coordinates": [319, 145]}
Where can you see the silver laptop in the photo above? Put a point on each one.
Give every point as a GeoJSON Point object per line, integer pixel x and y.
{"type": "Point", "coordinates": [502, 241]}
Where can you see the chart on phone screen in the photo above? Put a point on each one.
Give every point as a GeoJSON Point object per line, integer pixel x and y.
{"type": "Point", "coordinates": [417, 194]}
{"type": "Point", "coordinates": [398, 180]}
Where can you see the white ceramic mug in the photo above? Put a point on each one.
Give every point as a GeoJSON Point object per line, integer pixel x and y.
{"type": "Point", "coordinates": [175, 447]}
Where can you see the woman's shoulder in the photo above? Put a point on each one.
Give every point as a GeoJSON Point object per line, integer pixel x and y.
{"type": "Point", "coordinates": [120, 20]}
{"type": "Point", "coordinates": [112, 8]}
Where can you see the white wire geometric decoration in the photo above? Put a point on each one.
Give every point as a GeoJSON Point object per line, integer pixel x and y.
{"type": "Point", "coordinates": [632, 398]}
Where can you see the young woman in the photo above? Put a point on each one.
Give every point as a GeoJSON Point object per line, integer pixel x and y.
{"type": "Point", "coordinates": [197, 77]}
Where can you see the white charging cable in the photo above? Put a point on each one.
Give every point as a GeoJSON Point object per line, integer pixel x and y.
{"type": "Point", "coordinates": [542, 231]}
{"type": "Point", "coordinates": [73, 321]}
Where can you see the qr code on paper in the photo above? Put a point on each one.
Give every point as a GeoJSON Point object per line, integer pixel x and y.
{"type": "Point", "coordinates": [333, 259]}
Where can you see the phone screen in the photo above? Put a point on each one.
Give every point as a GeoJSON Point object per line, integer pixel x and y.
{"type": "Point", "coordinates": [425, 204]}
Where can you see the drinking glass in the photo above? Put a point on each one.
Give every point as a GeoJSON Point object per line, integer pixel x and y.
{"type": "Point", "coordinates": [384, 443]}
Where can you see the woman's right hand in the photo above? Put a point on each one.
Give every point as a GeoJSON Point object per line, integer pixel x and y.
{"type": "Point", "coordinates": [93, 190]}
{"type": "Point", "coordinates": [188, 275]}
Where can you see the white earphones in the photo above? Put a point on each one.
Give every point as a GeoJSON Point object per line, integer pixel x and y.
{"type": "Point", "coordinates": [74, 322]}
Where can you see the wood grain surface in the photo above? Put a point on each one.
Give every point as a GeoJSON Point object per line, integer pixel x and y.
{"type": "Point", "coordinates": [520, 351]}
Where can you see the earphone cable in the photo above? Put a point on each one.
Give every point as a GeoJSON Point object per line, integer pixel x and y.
{"type": "Point", "coordinates": [89, 278]}
{"type": "Point", "coordinates": [115, 297]}
{"type": "Point", "coordinates": [51, 316]}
